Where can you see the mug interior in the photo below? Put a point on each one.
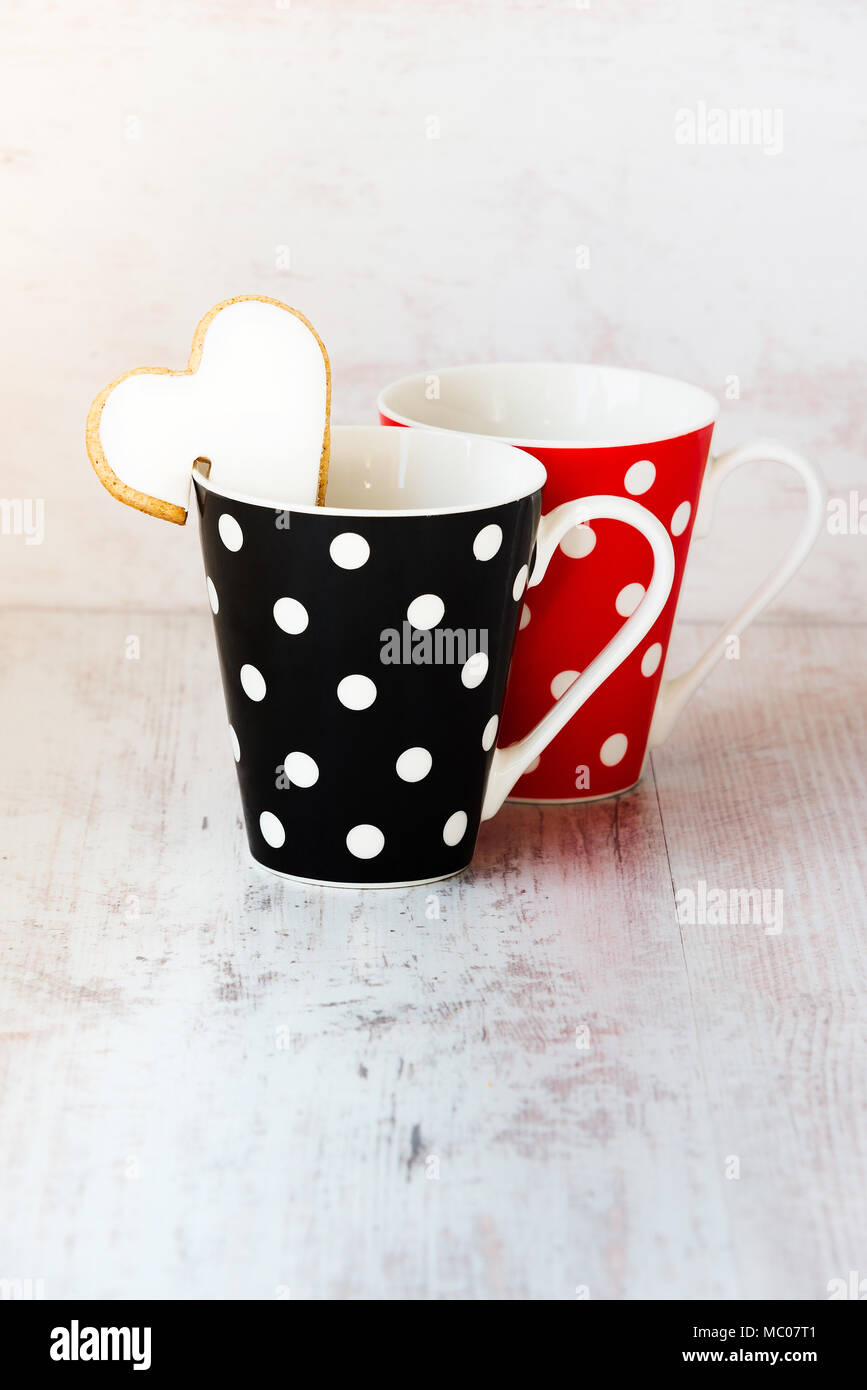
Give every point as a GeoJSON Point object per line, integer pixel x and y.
{"type": "Point", "coordinates": [551, 404]}
{"type": "Point", "coordinates": [399, 472]}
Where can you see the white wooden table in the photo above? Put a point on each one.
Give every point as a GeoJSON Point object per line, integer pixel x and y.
{"type": "Point", "coordinates": [217, 1084]}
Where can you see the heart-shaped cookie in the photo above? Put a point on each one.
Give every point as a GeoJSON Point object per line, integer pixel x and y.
{"type": "Point", "coordinates": [254, 399]}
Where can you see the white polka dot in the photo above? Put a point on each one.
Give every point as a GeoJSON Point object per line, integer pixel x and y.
{"type": "Point", "coordinates": [520, 583]}
{"type": "Point", "coordinates": [525, 617]}
{"type": "Point", "coordinates": [236, 747]}
{"type": "Point", "coordinates": [356, 692]}
{"type": "Point", "coordinates": [253, 682]}
{"type": "Point", "coordinates": [561, 683]}
{"type": "Point", "coordinates": [531, 767]}
{"type": "Point", "coordinates": [455, 828]}
{"type": "Point", "coordinates": [473, 672]}
{"type": "Point", "coordinates": [349, 550]}
{"type": "Point", "coordinates": [639, 477]}
{"type": "Point", "coordinates": [272, 830]}
{"type": "Point", "coordinates": [213, 597]}
{"type": "Point", "coordinates": [628, 599]}
{"type": "Point", "coordinates": [651, 659]}
{"type": "Point", "coordinates": [680, 520]}
{"type": "Point", "coordinates": [490, 733]}
{"type": "Point", "coordinates": [365, 841]}
{"type": "Point", "coordinates": [291, 616]}
{"type": "Point", "coordinates": [230, 532]}
{"type": "Point", "coordinates": [578, 542]}
{"type": "Point", "coordinates": [426, 611]}
{"type": "Point", "coordinates": [487, 542]}
{"type": "Point", "coordinates": [414, 764]}
{"type": "Point", "coordinates": [613, 750]}
{"type": "Point", "coordinates": [300, 770]}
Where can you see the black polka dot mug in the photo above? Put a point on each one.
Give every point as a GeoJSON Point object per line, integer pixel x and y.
{"type": "Point", "coordinates": [365, 645]}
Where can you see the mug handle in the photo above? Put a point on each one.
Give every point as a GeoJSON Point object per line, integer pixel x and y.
{"type": "Point", "coordinates": [674, 693]}
{"type": "Point", "coordinates": [510, 763]}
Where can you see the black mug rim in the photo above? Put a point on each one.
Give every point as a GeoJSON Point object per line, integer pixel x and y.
{"type": "Point", "coordinates": [536, 477]}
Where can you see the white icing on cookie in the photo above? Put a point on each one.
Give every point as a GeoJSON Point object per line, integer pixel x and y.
{"type": "Point", "coordinates": [254, 400]}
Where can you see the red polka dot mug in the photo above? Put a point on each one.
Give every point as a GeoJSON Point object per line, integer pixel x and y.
{"type": "Point", "coordinates": [631, 434]}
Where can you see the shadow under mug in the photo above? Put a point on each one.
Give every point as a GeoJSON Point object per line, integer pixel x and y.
{"type": "Point", "coordinates": [365, 645]}
{"type": "Point", "coordinates": [631, 434]}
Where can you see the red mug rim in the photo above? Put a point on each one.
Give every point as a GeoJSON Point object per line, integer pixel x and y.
{"type": "Point", "coordinates": [704, 418]}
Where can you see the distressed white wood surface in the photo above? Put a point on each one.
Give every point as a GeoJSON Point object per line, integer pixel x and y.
{"type": "Point", "coordinates": [763, 787]}
{"type": "Point", "coordinates": [216, 1084]}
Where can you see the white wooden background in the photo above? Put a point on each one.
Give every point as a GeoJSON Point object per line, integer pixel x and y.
{"type": "Point", "coordinates": [157, 156]}
{"type": "Point", "coordinates": [212, 1083]}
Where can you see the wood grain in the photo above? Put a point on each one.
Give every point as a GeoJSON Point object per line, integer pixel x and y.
{"type": "Point", "coordinates": [215, 1084]}
{"type": "Point", "coordinates": [763, 788]}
